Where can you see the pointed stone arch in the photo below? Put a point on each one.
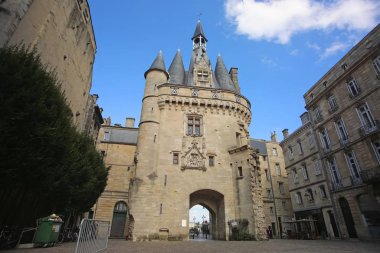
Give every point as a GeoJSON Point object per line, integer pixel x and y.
{"type": "Point", "coordinates": [213, 201]}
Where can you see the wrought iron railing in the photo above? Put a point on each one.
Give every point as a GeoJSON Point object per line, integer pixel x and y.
{"type": "Point", "coordinates": [348, 181]}
{"type": "Point", "coordinates": [371, 175]}
{"type": "Point", "coordinates": [345, 141]}
{"type": "Point", "coordinates": [369, 128]}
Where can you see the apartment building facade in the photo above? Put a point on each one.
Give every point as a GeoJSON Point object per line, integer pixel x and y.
{"type": "Point", "coordinates": [345, 110]}
{"type": "Point", "coordinates": [308, 186]}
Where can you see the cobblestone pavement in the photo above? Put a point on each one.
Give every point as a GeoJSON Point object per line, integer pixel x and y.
{"type": "Point", "coordinates": [200, 246]}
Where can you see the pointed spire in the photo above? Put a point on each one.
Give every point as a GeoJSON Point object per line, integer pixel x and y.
{"type": "Point", "coordinates": [199, 31]}
{"type": "Point", "coordinates": [177, 70]}
{"type": "Point", "coordinates": [222, 75]}
{"type": "Point", "coordinates": [158, 64]}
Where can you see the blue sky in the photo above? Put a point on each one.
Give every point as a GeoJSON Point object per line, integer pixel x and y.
{"type": "Point", "coordinates": [281, 48]}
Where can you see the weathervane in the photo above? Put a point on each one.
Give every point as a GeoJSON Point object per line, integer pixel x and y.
{"type": "Point", "coordinates": [199, 15]}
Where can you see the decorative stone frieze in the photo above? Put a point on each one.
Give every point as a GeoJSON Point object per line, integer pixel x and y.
{"type": "Point", "coordinates": [209, 105]}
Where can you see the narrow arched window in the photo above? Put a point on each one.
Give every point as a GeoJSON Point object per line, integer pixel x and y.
{"type": "Point", "coordinates": [120, 207]}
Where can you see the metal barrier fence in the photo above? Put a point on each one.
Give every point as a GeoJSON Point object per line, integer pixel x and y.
{"type": "Point", "coordinates": [93, 236]}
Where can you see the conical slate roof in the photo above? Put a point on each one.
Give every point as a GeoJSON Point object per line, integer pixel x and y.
{"type": "Point", "coordinates": [222, 75]}
{"type": "Point", "coordinates": [177, 70]}
{"type": "Point", "coordinates": [158, 64]}
{"type": "Point", "coordinates": [199, 31]}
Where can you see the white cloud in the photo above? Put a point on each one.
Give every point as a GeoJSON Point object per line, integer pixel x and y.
{"type": "Point", "coordinates": [269, 62]}
{"type": "Point", "coordinates": [294, 52]}
{"type": "Point", "coordinates": [279, 20]}
{"type": "Point", "coordinates": [334, 48]}
{"type": "Point", "coordinates": [314, 46]}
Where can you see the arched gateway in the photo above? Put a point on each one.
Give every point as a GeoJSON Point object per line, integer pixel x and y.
{"type": "Point", "coordinates": [214, 202]}
{"type": "Point", "coordinates": [193, 147]}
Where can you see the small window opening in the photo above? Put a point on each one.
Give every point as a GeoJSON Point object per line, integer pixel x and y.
{"type": "Point", "coordinates": [211, 161]}
{"type": "Point", "coordinates": [240, 171]}
{"type": "Point", "coordinates": [175, 158]}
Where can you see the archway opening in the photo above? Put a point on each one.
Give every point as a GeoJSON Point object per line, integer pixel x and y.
{"type": "Point", "coordinates": [348, 219]}
{"type": "Point", "coordinates": [200, 222]}
{"type": "Point", "coordinates": [213, 202]}
{"type": "Point", "coordinates": [119, 218]}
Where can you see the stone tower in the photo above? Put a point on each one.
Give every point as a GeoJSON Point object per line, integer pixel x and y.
{"type": "Point", "coordinates": [193, 148]}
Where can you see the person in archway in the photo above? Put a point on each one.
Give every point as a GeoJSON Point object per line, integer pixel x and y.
{"type": "Point", "coordinates": [196, 232]}
{"type": "Point", "coordinates": [269, 232]}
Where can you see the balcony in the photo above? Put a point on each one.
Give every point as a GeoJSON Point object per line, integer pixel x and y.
{"type": "Point", "coordinates": [318, 118]}
{"type": "Point", "coordinates": [333, 108]}
{"type": "Point", "coordinates": [344, 142]}
{"type": "Point", "coordinates": [355, 92]}
{"type": "Point", "coordinates": [327, 149]}
{"type": "Point", "coordinates": [336, 186]}
{"type": "Point", "coordinates": [369, 128]}
{"type": "Point", "coordinates": [347, 182]}
{"type": "Point", "coordinates": [351, 181]}
{"type": "Point", "coordinates": [371, 176]}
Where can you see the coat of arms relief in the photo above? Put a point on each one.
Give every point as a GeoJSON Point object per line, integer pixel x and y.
{"type": "Point", "coordinates": [193, 158]}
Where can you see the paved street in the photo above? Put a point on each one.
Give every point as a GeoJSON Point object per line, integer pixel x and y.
{"type": "Point", "coordinates": [199, 246]}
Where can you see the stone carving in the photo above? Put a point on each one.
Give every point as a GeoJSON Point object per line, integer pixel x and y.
{"type": "Point", "coordinates": [215, 94]}
{"type": "Point", "coordinates": [174, 91]}
{"type": "Point", "coordinates": [193, 158]}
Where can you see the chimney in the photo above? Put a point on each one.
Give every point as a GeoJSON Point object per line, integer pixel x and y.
{"type": "Point", "coordinates": [273, 137]}
{"type": "Point", "coordinates": [234, 77]}
{"type": "Point", "coordinates": [285, 133]}
{"type": "Point", "coordinates": [305, 118]}
{"type": "Point", "coordinates": [107, 122]}
{"type": "Point", "coordinates": [130, 122]}
{"type": "Point", "coordinates": [95, 98]}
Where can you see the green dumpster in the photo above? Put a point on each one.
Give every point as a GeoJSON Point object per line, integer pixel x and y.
{"type": "Point", "coordinates": [47, 231]}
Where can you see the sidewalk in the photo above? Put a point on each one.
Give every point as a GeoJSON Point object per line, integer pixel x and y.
{"type": "Point", "coordinates": [210, 246]}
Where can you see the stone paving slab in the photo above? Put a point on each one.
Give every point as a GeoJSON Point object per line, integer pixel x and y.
{"type": "Point", "coordinates": [203, 246]}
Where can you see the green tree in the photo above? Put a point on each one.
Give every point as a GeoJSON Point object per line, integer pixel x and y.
{"type": "Point", "coordinates": [46, 165]}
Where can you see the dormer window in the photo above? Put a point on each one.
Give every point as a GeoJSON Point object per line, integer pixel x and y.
{"type": "Point", "coordinates": [203, 76]}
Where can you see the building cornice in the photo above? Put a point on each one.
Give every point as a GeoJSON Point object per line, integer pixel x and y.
{"type": "Point", "coordinates": [337, 67]}
{"type": "Point", "coordinates": [295, 134]}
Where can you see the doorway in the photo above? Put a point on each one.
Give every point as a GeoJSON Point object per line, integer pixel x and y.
{"type": "Point", "coordinates": [348, 219]}
{"type": "Point", "coordinates": [118, 219]}
{"type": "Point", "coordinates": [333, 224]}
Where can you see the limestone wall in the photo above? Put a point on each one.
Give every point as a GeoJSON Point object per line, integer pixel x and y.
{"type": "Point", "coordinates": [119, 157]}
{"type": "Point", "coordinates": [61, 31]}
